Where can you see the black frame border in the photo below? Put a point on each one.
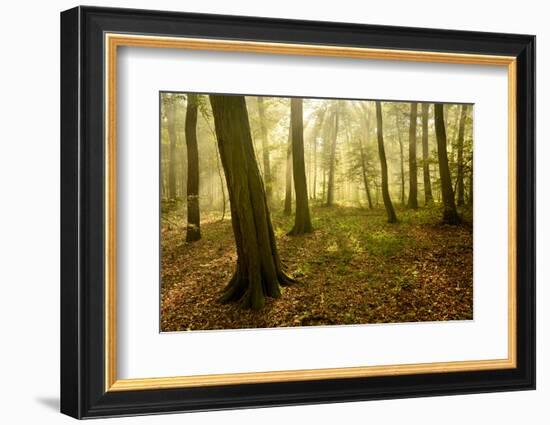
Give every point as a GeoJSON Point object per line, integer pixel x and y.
{"type": "Point", "coordinates": [82, 212]}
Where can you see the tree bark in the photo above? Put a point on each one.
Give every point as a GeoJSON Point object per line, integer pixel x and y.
{"type": "Point", "coordinates": [171, 124]}
{"type": "Point", "coordinates": [318, 126]}
{"type": "Point", "coordinates": [398, 130]}
{"type": "Point", "coordinates": [428, 197]}
{"type": "Point", "coordinates": [259, 272]}
{"type": "Point", "coordinates": [265, 148]}
{"type": "Point", "coordinates": [413, 181]}
{"type": "Point", "coordinates": [364, 119]}
{"type": "Point", "coordinates": [193, 208]}
{"type": "Point", "coordinates": [460, 157]}
{"type": "Point", "coordinates": [332, 161]}
{"type": "Point", "coordinates": [364, 170]}
{"type": "Point", "coordinates": [392, 218]}
{"type": "Point", "coordinates": [450, 216]}
{"type": "Point", "coordinates": [288, 176]}
{"type": "Point", "coordinates": [471, 182]}
{"type": "Point", "coordinates": [302, 220]}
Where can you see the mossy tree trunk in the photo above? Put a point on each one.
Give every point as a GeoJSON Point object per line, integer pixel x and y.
{"type": "Point", "coordinates": [428, 197]}
{"type": "Point", "coordinates": [302, 219]}
{"type": "Point", "coordinates": [460, 157]}
{"type": "Point", "coordinates": [450, 216]}
{"type": "Point", "coordinates": [392, 218]}
{"type": "Point", "coordinates": [193, 208]}
{"type": "Point", "coordinates": [259, 272]}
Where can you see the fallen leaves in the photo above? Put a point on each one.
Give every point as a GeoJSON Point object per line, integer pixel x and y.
{"type": "Point", "coordinates": [354, 269]}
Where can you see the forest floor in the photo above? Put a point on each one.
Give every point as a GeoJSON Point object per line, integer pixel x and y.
{"type": "Point", "coordinates": [354, 269]}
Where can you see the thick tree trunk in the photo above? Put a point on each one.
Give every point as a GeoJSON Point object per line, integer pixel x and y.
{"type": "Point", "coordinates": [460, 157]}
{"type": "Point", "coordinates": [450, 216]}
{"type": "Point", "coordinates": [265, 148]}
{"type": "Point", "coordinates": [413, 181]}
{"type": "Point", "coordinates": [332, 161]}
{"type": "Point", "coordinates": [193, 208]}
{"type": "Point", "coordinates": [401, 159]}
{"type": "Point", "coordinates": [302, 220]}
{"type": "Point", "coordinates": [288, 176]}
{"type": "Point", "coordinates": [171, 124]}
{"type": "Point", "coordinates": [259, 272]}
{"type": "Point", "coordinates": [428, 197]}
{"type": "Point", "coordinates": [392, 218]}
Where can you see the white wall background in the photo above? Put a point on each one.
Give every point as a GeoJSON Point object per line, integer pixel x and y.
{"type": "Point", "coordinates": [29, 216]}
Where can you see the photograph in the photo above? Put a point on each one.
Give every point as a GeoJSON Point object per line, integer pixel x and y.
{"type": "Point", "coordinates": [288, 210]}
{"type": "Point", "coordinates": [280, 212]}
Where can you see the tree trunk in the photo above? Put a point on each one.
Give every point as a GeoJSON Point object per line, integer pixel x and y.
{"type": "Point", "coordinates": [302, 220]}
{"type": "Point", "coordinates": [450, 216]}
{"type": "Point", "coordinates": [193, 209]}
{"type": "Point", "coordinates": [428, 197]}
{"type": "Point", "coordinates": [398, 130]}
{"type": "Point", "coordinates": [460, 157]}
{"type": "Point", "coordinates": [332, 161]}
{"type": "Point", "coordinates": [364, 119]}
{"type": "Point", "coordinates": [318, 126]}
{"type": "Point", "coordinates": [471, 182]}
{"type": "Point", "coordinates": [364, 170]}
{"type": "Point", "coordinates": [288, 177]}
{"type": "Point", "coordinates": [171, 123]}
{"type": "Point", "coordinates": [392, 218]}
{"type": "Point", "coordinates": [413, 182]}
{"type": "Point", "coordinates": [259, 272]}
{"type": "Point", "coordinates": [265, 148]}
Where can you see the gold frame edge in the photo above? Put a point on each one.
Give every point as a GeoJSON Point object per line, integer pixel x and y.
{"type": "Point", "coordinates": [113, 41]}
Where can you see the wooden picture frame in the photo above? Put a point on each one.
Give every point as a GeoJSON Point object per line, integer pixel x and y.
{"type": "Point", "coordinates": [90, 38]}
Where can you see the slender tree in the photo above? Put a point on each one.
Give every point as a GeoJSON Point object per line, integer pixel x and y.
{"type": "Point", "coordinates": [364, 120]}
{"type": "Point", "coordinates": [302, 220]}
{"type": "Point", "coordinates": [401, 159]}
{"type": "Point", "coordinates": [428, 197]}
{"type": "Point", "coordinates": [268, 182]}
{"type": "Point", "coordinates": [288, 177]}
{"type": "Point", "coordinates": [332, 160]}
{"type": "Point", "coordinates": [364, 172]}
{"type": "Point", "coordinates": [392, 218]}
{"type": "Point", "coordinates": [318, 126]}
{"type": "Point", "coordinates": [413, 180]}
{"type": "Point", "coordinates": [193, 208]}
{"type": "Point", "coordinates": [259, 272]}
{"type": "Point", "coordinates": [450, 216]}
{"type": "Point", "coordinates": [171, 125]}
{"type": "Point", "coordinates": [460, 157]}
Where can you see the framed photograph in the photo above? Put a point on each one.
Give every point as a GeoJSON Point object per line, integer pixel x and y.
{"type": "Point", "coordinates": [261, 212]}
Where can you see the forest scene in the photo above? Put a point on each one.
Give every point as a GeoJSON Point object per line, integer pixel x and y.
{"type": "Point", "coordinates": [281, 212]}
